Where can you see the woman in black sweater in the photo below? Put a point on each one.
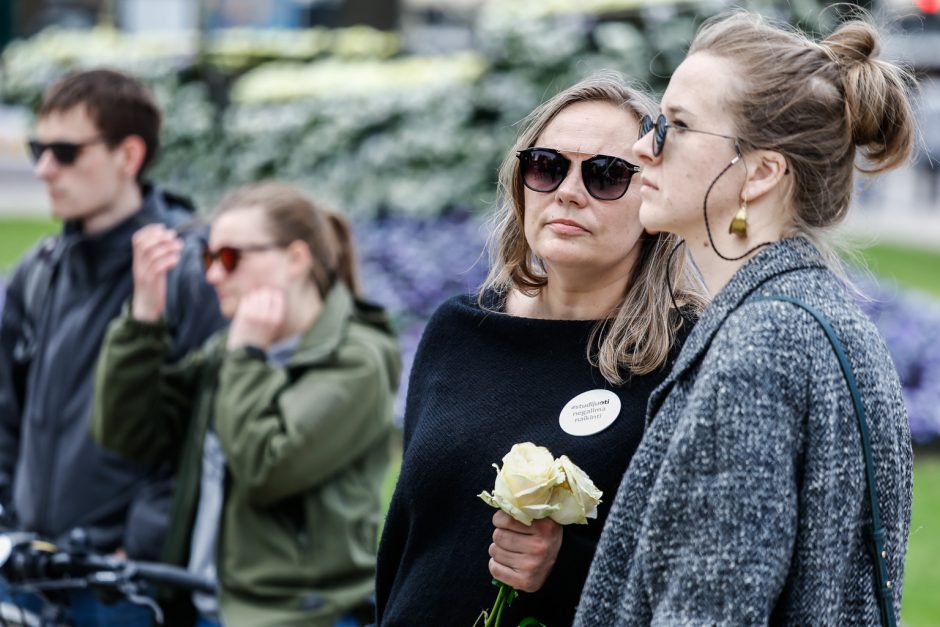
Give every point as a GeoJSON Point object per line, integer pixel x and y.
{"type": "Point", "coordinates": [576, 301]}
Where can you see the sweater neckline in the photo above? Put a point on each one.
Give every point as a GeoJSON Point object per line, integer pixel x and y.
{"type": "Point", "coordinates": [514, 333]}
{"type": "Point", "coordinates": [495, 304]}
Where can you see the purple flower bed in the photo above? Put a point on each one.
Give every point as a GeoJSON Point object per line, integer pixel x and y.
{"type": "Point", "coordinates": [412, 265]}
{"type": "Point", "coordinates": [910, 325]}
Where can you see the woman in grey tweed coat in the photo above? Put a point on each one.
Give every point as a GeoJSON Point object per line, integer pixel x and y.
{"type": "Point", "coordinates": [746, 502]}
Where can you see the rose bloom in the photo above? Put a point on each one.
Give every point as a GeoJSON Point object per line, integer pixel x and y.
{"type": "Point", "coordinates": [577, 498]}
{"type": "Point", "coordinates": [525, 484]}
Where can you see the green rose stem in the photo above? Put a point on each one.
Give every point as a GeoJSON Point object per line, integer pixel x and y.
{"type": "Point", "coordinates": [505, 597]}
{"type": "Point", "coordinates": [499, 615]}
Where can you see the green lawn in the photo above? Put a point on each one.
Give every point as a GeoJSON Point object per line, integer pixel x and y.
{"type": "Point", "coordinates": [912, 267]}
{"type": "Point", "coordinates": [18, 234]}
{"type": "Point", "coordinates": [389, 487]}
{"type": "Point", "coordinates": [922, 579]}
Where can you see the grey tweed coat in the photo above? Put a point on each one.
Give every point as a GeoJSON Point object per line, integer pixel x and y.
{"type": "Point", "coordinates": [745, 503]}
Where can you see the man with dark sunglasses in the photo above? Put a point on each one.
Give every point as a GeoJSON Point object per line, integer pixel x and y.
{"type": "Point", "coordinates": [96, 134]}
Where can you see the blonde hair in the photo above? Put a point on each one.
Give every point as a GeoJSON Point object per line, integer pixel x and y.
{"type": "Point", "coordinates": [290, 216]}
{"type": "Point", "coordinates": [638, 334]}
{"type": "Point", "coordinates": [817, 104]}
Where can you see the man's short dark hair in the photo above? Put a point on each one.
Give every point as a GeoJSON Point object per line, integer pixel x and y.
{"type": "Point", "coordinates": [119, 105]}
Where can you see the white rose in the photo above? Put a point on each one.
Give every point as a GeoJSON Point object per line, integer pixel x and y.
{"type": "Point", "coordinates": [524, 485]}
{"type": "Point", "coordinates": [576, 499]}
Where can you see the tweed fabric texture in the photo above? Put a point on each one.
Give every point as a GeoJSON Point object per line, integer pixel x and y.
{"type": "Point", "coordinates": [745, 502]}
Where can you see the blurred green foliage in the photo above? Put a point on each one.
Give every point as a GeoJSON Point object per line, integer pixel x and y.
{"type": "Point", "coordinates": [351, 116]}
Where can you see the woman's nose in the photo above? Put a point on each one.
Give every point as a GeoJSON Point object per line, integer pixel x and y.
{"type": "Point", "coordinates": [214, 273]}
{"type": "Point", "coordinates": [643, 148]}
{"type": "Point", "coordinates": [571, 190]}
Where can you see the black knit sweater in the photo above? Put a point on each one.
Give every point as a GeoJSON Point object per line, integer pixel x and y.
{"type": "Point", "coordinates": [481, 382]}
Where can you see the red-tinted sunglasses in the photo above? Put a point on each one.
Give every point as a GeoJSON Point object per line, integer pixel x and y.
{"type": "Point", "coordinates": [230, 256]}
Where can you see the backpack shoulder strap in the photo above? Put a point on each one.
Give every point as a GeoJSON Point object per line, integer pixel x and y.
{"type": "Point", "coordinates": [39, 269]}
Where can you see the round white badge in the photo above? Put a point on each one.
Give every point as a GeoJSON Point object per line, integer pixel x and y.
{"type": "Point", "coordinates": [589, 412]}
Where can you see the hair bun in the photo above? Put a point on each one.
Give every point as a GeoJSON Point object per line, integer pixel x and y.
{"type": "Point", "coordinates": [877, 104]}
{"type": "Point", "coordinates": [852, 43]}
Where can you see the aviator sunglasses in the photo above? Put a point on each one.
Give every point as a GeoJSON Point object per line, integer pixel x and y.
{"type": "Point", "coordinates": [230, 256]}
{"type": "Point", "coordinates": [604, 177]}
{"type": "Point", "coordinates": [661, 126]}
{"type": "Point", "coordinates": [65, 153]}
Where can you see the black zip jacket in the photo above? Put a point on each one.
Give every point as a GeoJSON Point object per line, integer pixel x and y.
{"type": "Point", "coordinates": [61, 298]}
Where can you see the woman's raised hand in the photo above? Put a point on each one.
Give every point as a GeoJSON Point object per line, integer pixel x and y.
{"type": "Point", "coordinates": [523, 556]}
{"type": "Point", "coordinates": [259, 318]}
{"type": "Point", "coordinates": [157, 250]}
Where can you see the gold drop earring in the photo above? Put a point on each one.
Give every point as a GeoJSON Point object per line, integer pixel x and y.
{"type": "Point", "coordinates": [739, 222]}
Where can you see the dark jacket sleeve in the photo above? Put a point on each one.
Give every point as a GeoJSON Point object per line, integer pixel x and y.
{"type": "Point", "coordinates": [142, 404]}
{"type": "Point", "coordinates": [192, 309]}
{"type": "Point", "coordinates": [12, 383]}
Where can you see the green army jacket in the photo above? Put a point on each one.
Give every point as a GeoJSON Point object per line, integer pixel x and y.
{"type": "Point", "coordinates": [306, 448]}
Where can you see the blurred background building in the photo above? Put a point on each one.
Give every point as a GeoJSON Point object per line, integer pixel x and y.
{"type": "Point", "coordinates": [439, 27]}
{"type": "Point", "coordinates": [140, 15]}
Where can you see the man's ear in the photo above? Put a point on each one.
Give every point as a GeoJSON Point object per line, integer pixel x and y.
{"type": "Point", "coordinates": [133, 151]}
{"type": "Point", "coordinates": [766, 172]}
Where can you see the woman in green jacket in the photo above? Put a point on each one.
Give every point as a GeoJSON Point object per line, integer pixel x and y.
{"type": "Point", "coordinates": [278, 426]}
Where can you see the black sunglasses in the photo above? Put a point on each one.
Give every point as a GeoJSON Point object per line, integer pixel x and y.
{"type": "Point", "coordinates": [230, 256]}
{"type": "Point", "coordinates": [64, 152]}
{"type": "Point", "coordinates": [604, 177]}
{"type": "Point", "coordinates": [661, 126]}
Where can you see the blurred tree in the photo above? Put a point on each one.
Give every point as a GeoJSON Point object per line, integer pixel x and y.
{"type": "Point", "coordinates": [107, 13]}
{"type": "Point", "coordinates": [7, 22]}
{"type": "Point", "coordinates": [381, 15]}
{"type": "Point", "coordinates": [216, 81]}
{"type": "Point", "coordinates": [35, 15]}
{"type": "Point", "coordinates": [334, 13]}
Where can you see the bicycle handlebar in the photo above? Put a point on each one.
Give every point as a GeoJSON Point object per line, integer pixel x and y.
{"type": "Point", "coordinates": [172, 577]}
{"type": "Point", "coordinates": [24, 558]}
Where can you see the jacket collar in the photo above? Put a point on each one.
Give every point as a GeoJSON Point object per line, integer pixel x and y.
{"type": "Point", "coordinates": [100, 255]}
{"type": "Point", "coordinates": [782, 257]}
{"type": "Point", "coordinates": [329, 330]}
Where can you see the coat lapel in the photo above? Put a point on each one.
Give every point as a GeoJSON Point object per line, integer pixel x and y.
{"type": "Point", "coordinates": [783, 257]}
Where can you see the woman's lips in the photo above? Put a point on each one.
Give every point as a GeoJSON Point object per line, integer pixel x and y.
{"type": "Point", "coordinates": [567, 227]}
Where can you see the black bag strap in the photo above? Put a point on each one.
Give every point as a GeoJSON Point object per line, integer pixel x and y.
{"type": "Point", "coordinates": [40, 270]}
{"type": "Point", "coordinates": [884, 587]}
